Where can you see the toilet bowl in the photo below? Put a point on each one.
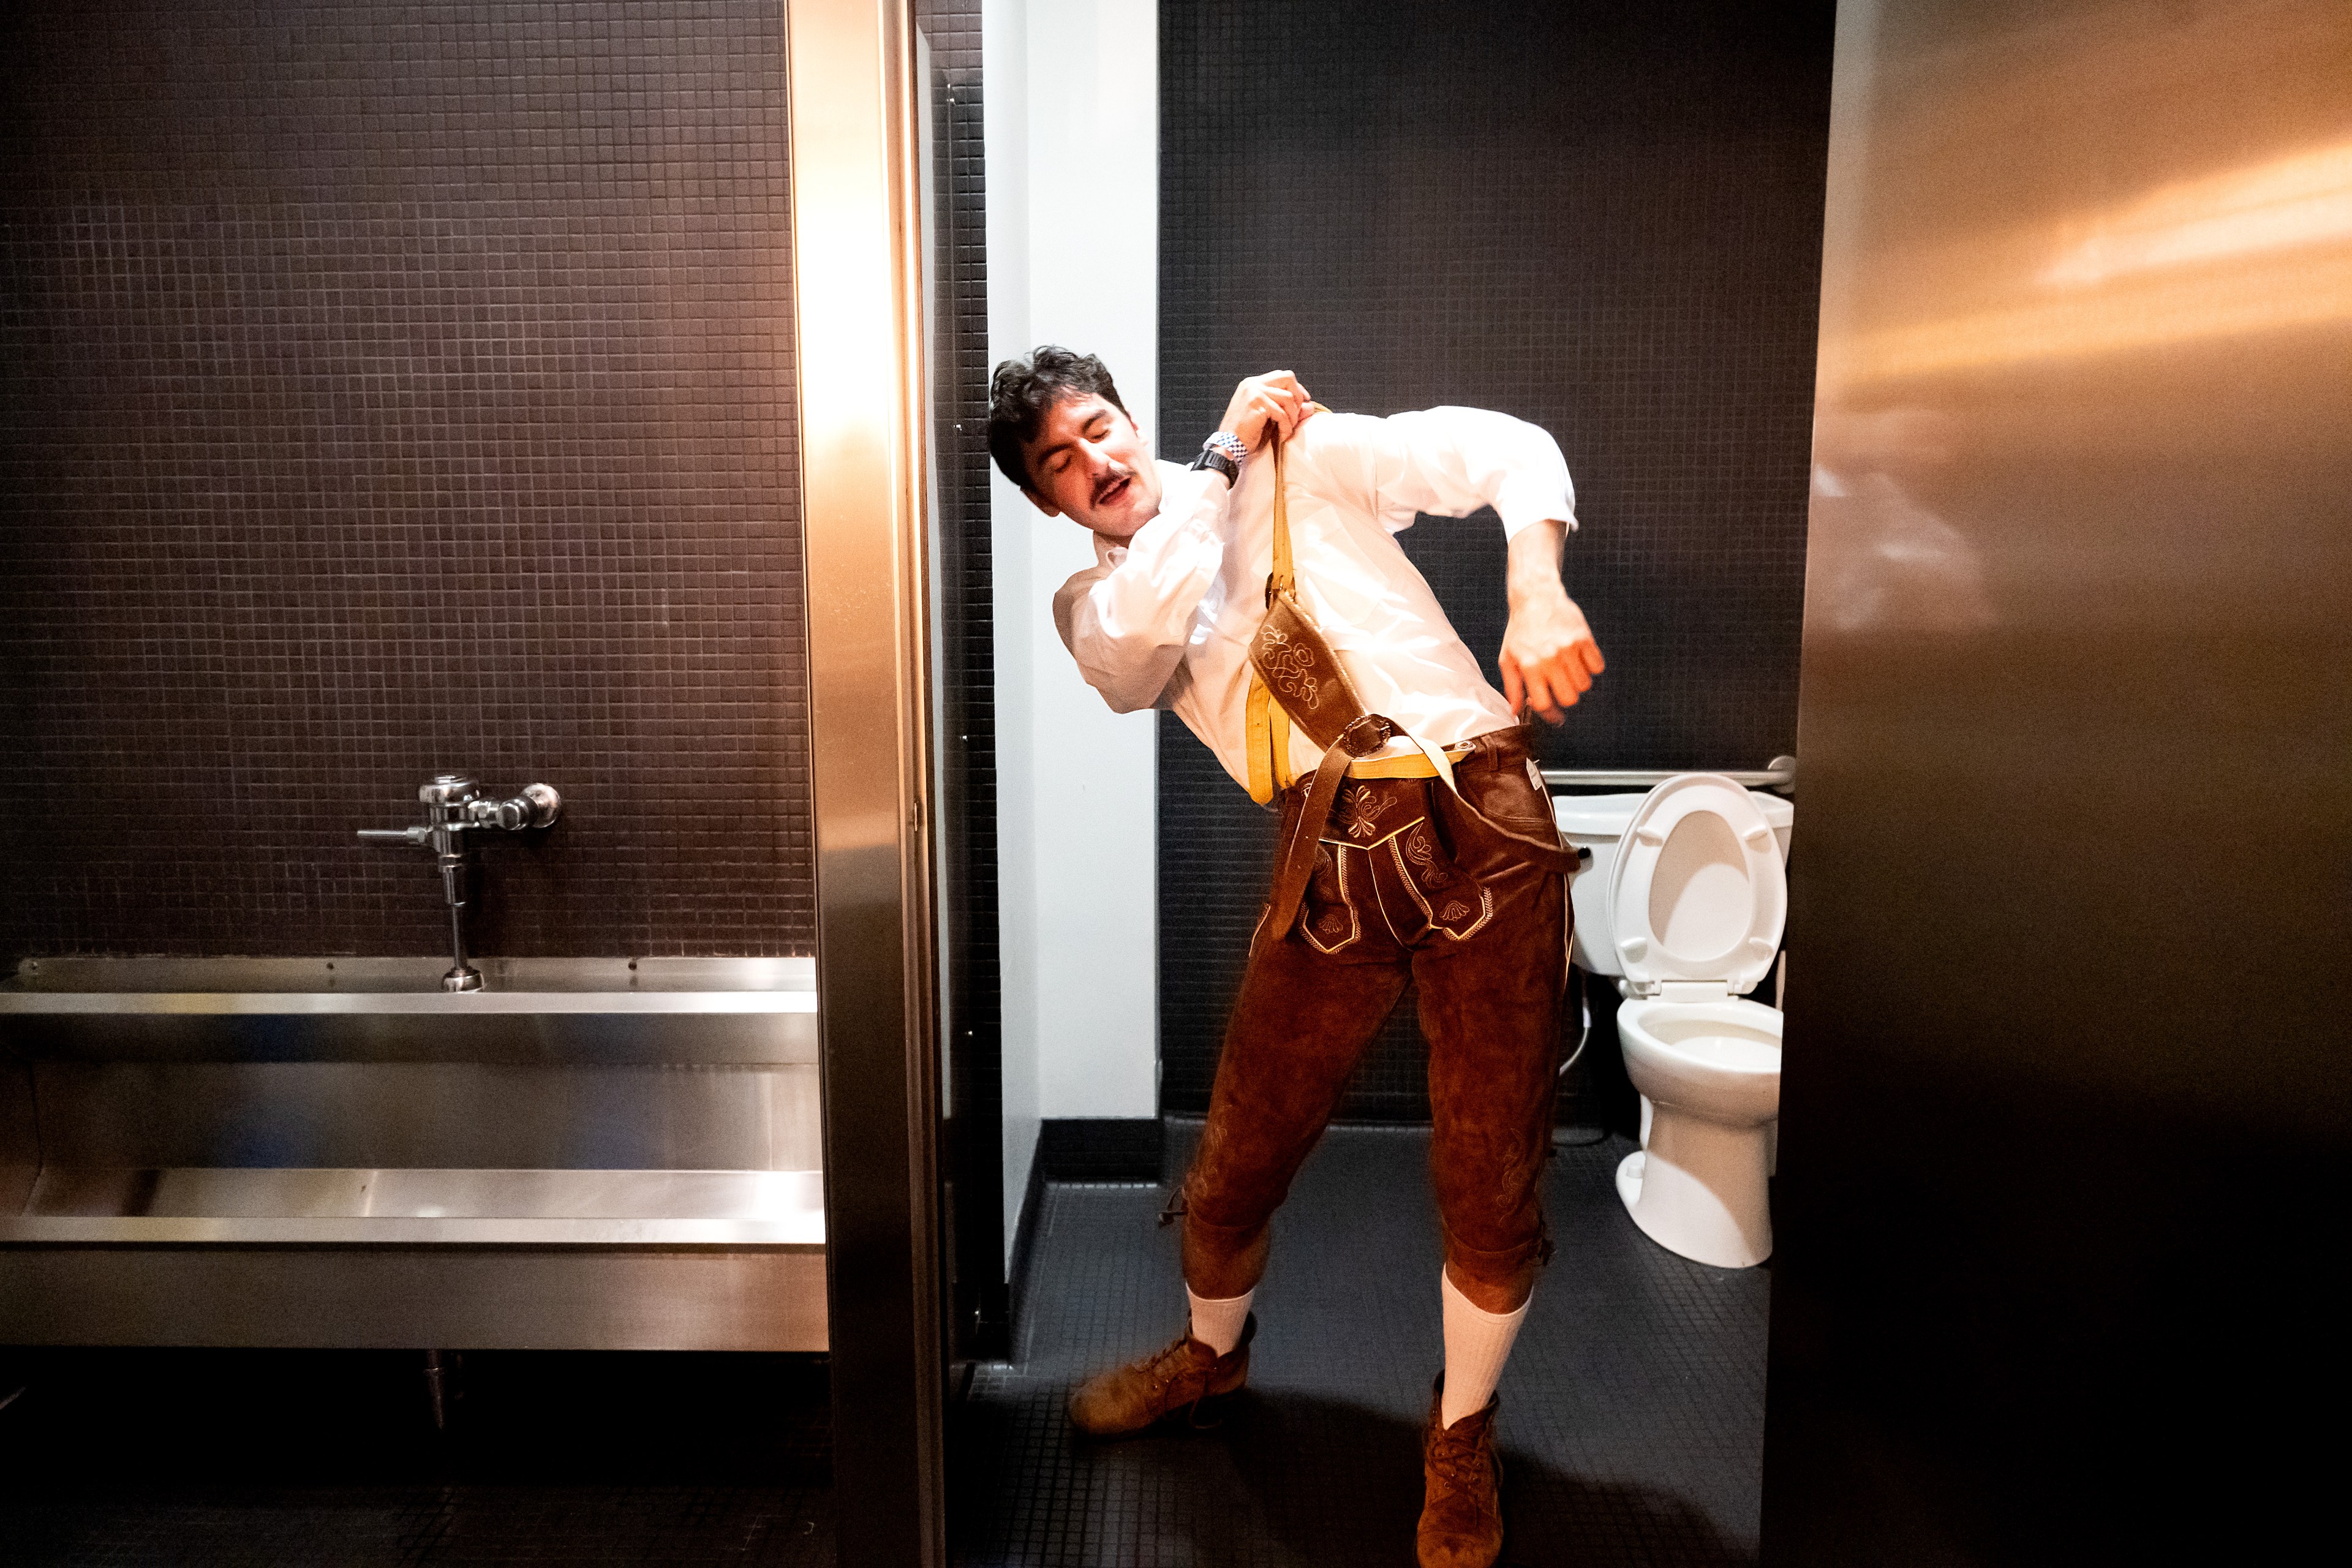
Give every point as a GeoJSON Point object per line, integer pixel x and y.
{"type": "Point", "coordinates": [1684, 903]}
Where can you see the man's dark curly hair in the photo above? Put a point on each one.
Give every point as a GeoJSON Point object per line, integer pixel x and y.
{"type": "Point", "coordinates": [1023, 391]}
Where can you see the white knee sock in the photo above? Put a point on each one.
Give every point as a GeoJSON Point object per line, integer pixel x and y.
{"type": "Point", "coordinates": [1218, 1324]}
{"type": "Point", "coordinates": [1477, 1344]}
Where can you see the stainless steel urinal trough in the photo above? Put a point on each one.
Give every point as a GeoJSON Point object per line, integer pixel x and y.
{"type": "Point", "coordinates": [588, 1153]}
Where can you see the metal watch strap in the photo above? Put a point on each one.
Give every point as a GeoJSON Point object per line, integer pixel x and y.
{"type": "Point", "coordinates": [1223, 453]}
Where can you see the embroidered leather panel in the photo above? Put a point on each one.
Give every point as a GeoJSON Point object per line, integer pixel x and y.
{"type": "Point", "coordinates": [1366, 814]}
{"type": "Point", "coordinates": [1288, 667]}
{"type": "Point", "coordinates": [1381, 858]}
{"type": "Point", "coordinates": [1303, 673]}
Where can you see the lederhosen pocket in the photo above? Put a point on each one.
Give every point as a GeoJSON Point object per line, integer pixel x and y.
{"type": "Point", "coordinates": [1416, 873]}
{"type": "Point", "coordinates": [1330, 918]}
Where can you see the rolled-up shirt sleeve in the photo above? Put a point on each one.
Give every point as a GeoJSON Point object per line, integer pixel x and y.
{"type": "Point", "coordinates": [1452, 462]}
{"type": "Point", "coordinates": [1127, 621]}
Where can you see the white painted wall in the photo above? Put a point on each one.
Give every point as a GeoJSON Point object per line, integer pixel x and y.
{"type": "Point", "coordinates": [1072, 99]}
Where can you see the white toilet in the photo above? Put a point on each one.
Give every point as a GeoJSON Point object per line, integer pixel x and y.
{"type": "Point", "coordinates": [1684, 903]}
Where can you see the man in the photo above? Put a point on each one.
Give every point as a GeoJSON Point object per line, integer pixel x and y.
{"type": "Point", "coordinates": [1437, 861]}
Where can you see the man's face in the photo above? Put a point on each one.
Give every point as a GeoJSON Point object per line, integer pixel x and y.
{"type": "Point", "coordinates": [1091, 462]}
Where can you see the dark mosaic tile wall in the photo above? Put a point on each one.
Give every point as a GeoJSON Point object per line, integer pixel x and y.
{"type": "Point", "coordinates": [1602, 217]}
{"type": "Point", "coordinates": [392, 387]}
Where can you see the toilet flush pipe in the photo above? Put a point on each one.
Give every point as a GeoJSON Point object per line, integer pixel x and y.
{"type": "Point", "coordinates": [1584, 1010]}
{"type": "Point", "coordinates": [1577, 982]}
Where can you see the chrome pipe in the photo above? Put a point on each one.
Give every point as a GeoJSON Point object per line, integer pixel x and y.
{"type": "Point", "coordinates": [1780, 774]}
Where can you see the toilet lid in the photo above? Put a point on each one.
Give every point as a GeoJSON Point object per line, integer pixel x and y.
{"type": "Point", "coordinates": [1697, 893]}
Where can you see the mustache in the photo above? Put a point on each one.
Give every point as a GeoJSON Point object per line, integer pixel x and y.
{"type": "Point", "coordinates": [1119, 474]}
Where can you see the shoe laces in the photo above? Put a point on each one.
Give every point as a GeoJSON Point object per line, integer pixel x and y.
{"type": "Point", "coordinates": [1165, 1367]}
{"type": "Point", "coordinates": [1457, 1458]}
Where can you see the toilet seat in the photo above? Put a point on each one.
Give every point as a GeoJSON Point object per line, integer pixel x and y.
{"type": "Point", "coordinates": [1698, 896]}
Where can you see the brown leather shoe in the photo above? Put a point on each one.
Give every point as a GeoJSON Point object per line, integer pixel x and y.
{"type": "Point", "coordinates": [1462, 1489]}
{"type": "Point", "coordinates": [1131, 1397]}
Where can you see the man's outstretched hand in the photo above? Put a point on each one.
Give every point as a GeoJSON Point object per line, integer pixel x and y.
{"type": "Point", "coordinates": [1548, 656]}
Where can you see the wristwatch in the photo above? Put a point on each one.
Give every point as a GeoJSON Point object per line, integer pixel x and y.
{"type": "Point", "coordinates": [1224, 453]}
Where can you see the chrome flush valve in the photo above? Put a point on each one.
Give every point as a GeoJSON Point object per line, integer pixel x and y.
{"type": "Point", "coordinates": [537, 806]}
{"type": "Point", "coordinates": [454, 804]}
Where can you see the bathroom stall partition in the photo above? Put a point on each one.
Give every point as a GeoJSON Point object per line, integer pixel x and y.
{"type": "Point", "coordinates": [2064, 1110]}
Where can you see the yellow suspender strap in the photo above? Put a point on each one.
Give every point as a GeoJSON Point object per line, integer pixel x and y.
{"type": "Point", "coordinates": [1269, 726]}
{"type": "Point", "coordinates": [1262, 786]}
{"type": "Point", "coordinates": [1283, 581]}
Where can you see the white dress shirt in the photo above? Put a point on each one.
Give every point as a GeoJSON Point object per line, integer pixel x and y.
{"type": "Point", "coordinates": [1167, 618]}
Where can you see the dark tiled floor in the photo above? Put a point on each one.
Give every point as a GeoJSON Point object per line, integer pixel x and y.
{"type": "Point", "coordinates": [301, 1459]}
{"type": "Point", "coordinates": [1632, 1425]}
{"type": "Point", "coordinates": [1632, 1417]}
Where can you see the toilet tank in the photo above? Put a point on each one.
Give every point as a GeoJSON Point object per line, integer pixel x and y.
{"type": "Point", "coordinates": [1596, 822]}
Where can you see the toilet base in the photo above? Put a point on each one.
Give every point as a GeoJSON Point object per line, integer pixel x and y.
{"type": "Point", "coordinates": [1701, 1190]}
{"type": "Point", "coordinates": [1629, 1179]}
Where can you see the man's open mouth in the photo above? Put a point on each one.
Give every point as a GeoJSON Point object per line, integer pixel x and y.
{"type": "Point", "coordinates": [1111, 492]}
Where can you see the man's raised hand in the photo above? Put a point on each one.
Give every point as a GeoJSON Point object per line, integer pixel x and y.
{"type": "Point", "coordinates": [1549, 656]}
{"type": "Point", "coordinates": [1275, 399]}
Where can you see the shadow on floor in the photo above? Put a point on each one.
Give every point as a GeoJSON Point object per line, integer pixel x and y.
{"type": "Point", "coordinates": [1632, 1409]}
{"type": "Point", "coordinates": [1293, 1479]}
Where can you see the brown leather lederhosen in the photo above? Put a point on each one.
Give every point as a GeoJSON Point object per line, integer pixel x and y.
{"type": "Point", "coordinates": [1453, 882]}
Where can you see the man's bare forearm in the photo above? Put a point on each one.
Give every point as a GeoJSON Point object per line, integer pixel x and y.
{"type": "Point", "coordinates": [1531, 575]}
{"type": "Point", "coordinates": [1549, 656]}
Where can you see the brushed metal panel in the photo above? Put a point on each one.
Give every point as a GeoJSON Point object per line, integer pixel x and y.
{"type": "Point", "coordinates": [97, 1028]}
{"type": "Point", "coordinates": [398, 1234]}
{"type": "Point", "coordinates": [856, 255]}
{"type": "Point", "coordinates": [408, 975]}
{"type": "Point", "coordinates": [320, 1009]}
{"type": "Point", "coordinates": [2069, 963]}
{"type": "Point", "coordinates": [406, 1205]}
{"type": "Point", "coordinates": [425, 1297]}
{"type": "Point", "coordinates": [100, 1028]}
{"type": "Point", "coordinates": [442, 1114]}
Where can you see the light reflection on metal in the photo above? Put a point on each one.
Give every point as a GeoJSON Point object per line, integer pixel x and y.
{"type": "Point", "coordinates": [2237, 232]}
{"type": "Point", "coordinates": [2288, 293]}
{"type": "Point", "coordinates": [2303, 199]}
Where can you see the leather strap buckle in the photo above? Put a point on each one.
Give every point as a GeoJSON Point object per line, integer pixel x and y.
{"type": "Point", "coordinates": [1365, 734]}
